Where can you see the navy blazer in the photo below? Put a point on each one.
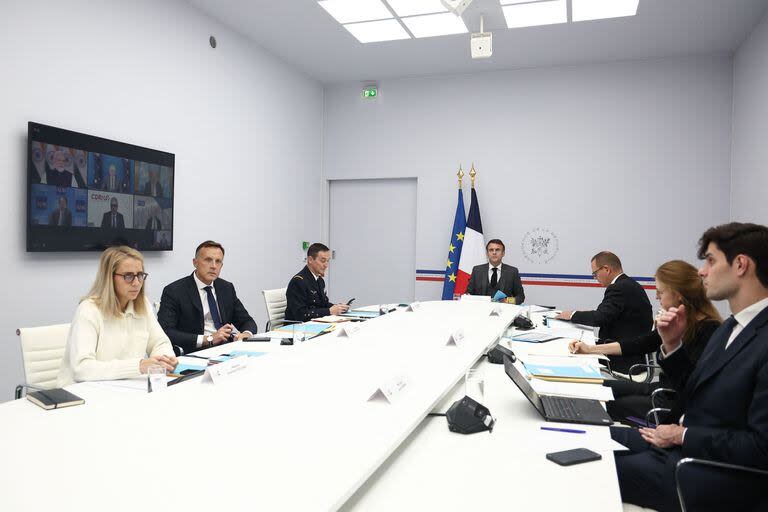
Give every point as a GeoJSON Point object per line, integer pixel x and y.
{"type": "Point", "coordinates": [181, 311]}
{"type": "Point", "coordinates": [726, 399]}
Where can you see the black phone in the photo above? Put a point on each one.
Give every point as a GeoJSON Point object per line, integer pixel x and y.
{"type": "Point", "coordinates": [522, 323]}
{"type": "Point", "coordinates": [258, 338]}
{"type": "Point", "coordinates": [188, 371]}
{"type": "Point", "coordinates": [350, 301]}
{"type": "Point", "coordinates": [286, 341]}
{"type": "Point", "coordinates": [575, 456]}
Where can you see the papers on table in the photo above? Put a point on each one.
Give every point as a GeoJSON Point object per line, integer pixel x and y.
{"type": "Point", "coordinates": [532, 337]}
{"type": "Point", "coordinates": [567, 370]}
{"type": "Point", "coordinates": [310, 328]}
{"type": "Point", "coordinates": [332, 319]}
{"type": "Point", "coordinates": [592, 391]}
{"type": "Point", "coordinates": [359, 313]}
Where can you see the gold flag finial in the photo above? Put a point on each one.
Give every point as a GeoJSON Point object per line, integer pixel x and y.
{"type": "Point", "coordinates": [472, 174]}
{"type": "Point", "coordinates": [460, 174]}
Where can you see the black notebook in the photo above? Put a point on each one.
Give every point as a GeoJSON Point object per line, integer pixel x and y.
{"type": "Point", "coordinates": [54, 398]}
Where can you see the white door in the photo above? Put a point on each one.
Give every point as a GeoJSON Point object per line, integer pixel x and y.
{"type": "Point", "coordinates": [373, 239]}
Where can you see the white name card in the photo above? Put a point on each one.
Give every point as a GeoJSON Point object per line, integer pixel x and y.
{"type": "Point", "coordinates": [220, 371]}
{"type": "Point", "coordinates": [389, 390]}
{"type": "Point", "coordinates": [456, 339]}
{"type": "Point", "coordinates": [495, 310]}
{"type": "Point", "coordinates": [414, 306]}
{"type": "Point", "coordinates": [349, 330]}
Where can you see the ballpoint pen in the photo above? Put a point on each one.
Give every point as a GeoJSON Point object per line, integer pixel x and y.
{"type": "Point", "coordinates": [568, 430]}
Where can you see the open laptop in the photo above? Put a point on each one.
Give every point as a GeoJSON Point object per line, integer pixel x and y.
{"type": "Point", "coordinates": [557, 408]}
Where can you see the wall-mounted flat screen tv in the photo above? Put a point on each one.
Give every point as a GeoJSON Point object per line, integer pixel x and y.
{"type": "Point", "coordinates": [87, 193]}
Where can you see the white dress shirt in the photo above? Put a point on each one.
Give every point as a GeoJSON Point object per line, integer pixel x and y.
{"type": "Point", "coordinates": [208, 327]}
{"type": "Point", "coordinates": [490, 272]}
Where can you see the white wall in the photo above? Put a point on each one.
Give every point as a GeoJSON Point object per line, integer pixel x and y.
{"type": "Point", "coordinates": [245, 128]}
{"type": "Point", "coordinates": [632, 157]}
{"type": "Point", "coordinates": [749, 184]}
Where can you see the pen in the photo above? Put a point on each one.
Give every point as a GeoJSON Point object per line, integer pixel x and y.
{"type": "Point", "coordinates": [569, 430]}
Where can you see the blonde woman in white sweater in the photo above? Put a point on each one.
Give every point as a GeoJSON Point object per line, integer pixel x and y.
{"type": "Point", "coordinates": [114, 334]}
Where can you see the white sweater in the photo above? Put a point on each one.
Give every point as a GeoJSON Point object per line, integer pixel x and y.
{"type": "Point", "coordinates": [105, 348]}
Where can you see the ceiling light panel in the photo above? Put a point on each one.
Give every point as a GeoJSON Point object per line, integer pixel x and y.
{"type": "Point", "coordinates": [351, 11]}
{"type": "Point", "coordinates": [435, 25]}
{"type": "Point", "coordinates": [377, 31]}
{"type": "Point", "coordinates": [536, 13]}
{"type": "Point", "coordinates": [416, 7]}
{"type": "Point", "coordinates": [584, 10]}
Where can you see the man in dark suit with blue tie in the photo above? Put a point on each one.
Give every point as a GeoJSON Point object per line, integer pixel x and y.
{"type": "Point", "coordinates": [202, 310]}
{"type": "Point", "coordinates": [722, 414]}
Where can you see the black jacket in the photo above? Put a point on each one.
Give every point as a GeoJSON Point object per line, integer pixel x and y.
{"type": "Point", "coordinates": [625, 313]}
{"type": "Point", "coordinates": [509, 282]}
{"type": "Point", "coordinates": [181, 311]}
{"type": "Point", "coordinates": [306, 298]}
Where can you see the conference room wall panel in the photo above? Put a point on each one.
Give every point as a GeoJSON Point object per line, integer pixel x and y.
{"type": "Point", "coordinates": [245, 128]}
{"type": "Point", "coordinates": [632, 157]}
{"type": "Point", "coordinates": [750, 125]}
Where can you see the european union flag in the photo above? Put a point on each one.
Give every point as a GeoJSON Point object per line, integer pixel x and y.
{"type": "Point", "coordinates": [454, 249]}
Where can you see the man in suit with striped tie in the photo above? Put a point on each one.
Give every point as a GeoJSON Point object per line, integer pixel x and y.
{"type": "Point", "coordinates": [722, 414]}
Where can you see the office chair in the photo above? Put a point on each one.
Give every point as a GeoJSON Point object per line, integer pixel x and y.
{"type": "Point", "coordinates": [735, 473]}
{"type": "Point", "coordinates": [276, 303]}
{"type": "Point", "coordinates": [42, 349]}
{"type": "Point", "coordinates": [177, 350]}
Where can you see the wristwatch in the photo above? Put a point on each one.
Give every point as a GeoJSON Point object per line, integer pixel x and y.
{"type": "Point", "coordinates": [209, 340]}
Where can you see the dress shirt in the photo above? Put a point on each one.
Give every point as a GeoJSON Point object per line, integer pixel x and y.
{"type": "Point", "coordinates": [101, 347]}
{"type": "Point", "coordinates": [498, 273]}
{"type": "Point", "coordinates": [208, 326]}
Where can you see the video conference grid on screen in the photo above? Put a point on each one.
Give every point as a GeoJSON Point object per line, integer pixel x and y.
{"type": "Point", "coordinates": [87, 193]}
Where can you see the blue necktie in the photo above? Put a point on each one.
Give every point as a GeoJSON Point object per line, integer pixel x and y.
{"type": "Point", "coordinates": [213, 307]}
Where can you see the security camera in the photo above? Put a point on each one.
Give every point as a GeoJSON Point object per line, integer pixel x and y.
{"type": "Point", "coordinates": [457, 7]}
{"type": "Point", "coordinates": [481, 45]}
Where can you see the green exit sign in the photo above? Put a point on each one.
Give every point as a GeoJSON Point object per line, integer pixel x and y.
{"type": "Point", "coordinates": [370, 92]}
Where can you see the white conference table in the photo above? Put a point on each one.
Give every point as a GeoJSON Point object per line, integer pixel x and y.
{"type": "Point", "coordinates": [295, 431]}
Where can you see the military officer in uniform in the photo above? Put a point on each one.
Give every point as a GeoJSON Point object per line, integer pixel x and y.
{"type": "Point", "coordinates": [306, 292]}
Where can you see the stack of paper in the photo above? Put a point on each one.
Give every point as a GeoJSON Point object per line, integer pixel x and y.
{"type": "Point", "coordinates": [579, 371]}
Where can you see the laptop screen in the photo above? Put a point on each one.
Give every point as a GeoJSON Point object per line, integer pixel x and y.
{"type": "Point", "coordinates": [522, 383]}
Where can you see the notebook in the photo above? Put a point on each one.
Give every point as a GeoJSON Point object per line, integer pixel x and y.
{"type": "Point", "coordinates": [583, 373]}
{"type": "Point", "coordinates": [54, 398]}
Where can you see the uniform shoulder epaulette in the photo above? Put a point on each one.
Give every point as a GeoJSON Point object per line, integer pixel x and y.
{"type": "Point", "coordinates": [297, 275]}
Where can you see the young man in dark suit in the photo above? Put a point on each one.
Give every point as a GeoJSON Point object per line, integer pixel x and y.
{"type": "Point", "coordinates": [625, 312]}
{"type": "Point", "coordinates": [305, 296]}
{"type": "Point", "coordinates": [202, 310]}
{"type": "Point", "coordinates": [495, 276]}
{"type": "Point", "coordinates": [722, 414]}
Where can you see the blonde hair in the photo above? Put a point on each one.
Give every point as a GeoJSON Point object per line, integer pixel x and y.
{"type": "Point", "coordinates": [103, 290]}
{"type": "Point", "coordinates": [683, 278]}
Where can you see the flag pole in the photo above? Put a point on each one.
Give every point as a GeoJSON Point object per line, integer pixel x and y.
{"type": "Point", "coordinates": [460, 174]}
{"type": "Point", "coordinates": [472, 174]}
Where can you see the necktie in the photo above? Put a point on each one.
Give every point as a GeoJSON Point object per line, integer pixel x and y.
{"type": "Point", "coordinates": [213, 307]}
{"type": "Point", "coordinates": [494, 277]}
{"type": "Point", "coordinates": [728, 326]}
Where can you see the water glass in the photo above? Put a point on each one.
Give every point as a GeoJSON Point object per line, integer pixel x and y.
{"type": "Point", "coordinates": [299, 335]}
{"type": "Point", "coordinates": [383, 309]}
{"type": "Point", "coordinates": [156, 378]}
{"type": "Point", "coordinates": [474, 385]}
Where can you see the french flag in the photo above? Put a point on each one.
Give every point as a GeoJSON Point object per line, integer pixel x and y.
{"type": "Point", "coordinates": [473, 251]}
